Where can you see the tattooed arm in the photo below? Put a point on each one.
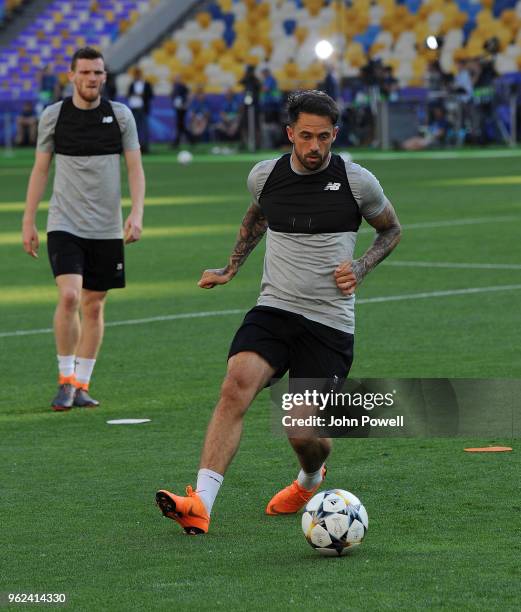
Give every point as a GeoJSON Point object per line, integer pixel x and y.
{"type": "Point", "coordinates": [349, 274]}
{"type": "Point", "coordinates": [253, 228]}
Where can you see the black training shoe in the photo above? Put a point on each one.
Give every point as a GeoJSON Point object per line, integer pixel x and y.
{"type": "Point", "coordinates": [83, 400]}
{"type": "Point", "coordinates": [64, 398]}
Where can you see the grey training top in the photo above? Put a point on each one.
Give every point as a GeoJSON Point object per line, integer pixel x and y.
{"type": "Point", "coordinates": [86, 198]}
{"type": "Point", "coordinates": [299, 268]}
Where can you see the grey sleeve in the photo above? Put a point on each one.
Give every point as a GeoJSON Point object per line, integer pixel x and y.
{"type": "Point", "coordinates": [127, 125]}
{"type": "Point", "coordinates": [366, 190]}
{"type": "Point", "coordinates": [258, 177]}
{"type": "Point", "coordinates": [46, 126]}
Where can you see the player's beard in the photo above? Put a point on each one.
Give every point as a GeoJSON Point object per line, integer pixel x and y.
{"type": "Point", "coordinates": [311, 163]}
{"type": "Point", "coordinates": [89, 94]}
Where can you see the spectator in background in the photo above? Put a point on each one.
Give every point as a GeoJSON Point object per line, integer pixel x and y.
{"type": "Point", "coordinates": [49, 87]}
{"type": "Point", "coordinates": [389, 84]}
{"type": "Point", "coordinates": [435, 133]}
{"type": "Point", "coordinates": [199, 116]}
{"type": "Point", "coordinates": [463, 84]}
{"type": "Point", "coordinates": [180, 94]}
{"type": "Point", "coordinates": [435, 79]}
{"type": "Point", "coordinates": [26, 126]}
{"type": "Point", "coordinates": [140, 94]}
{"type": "Point", "coordinates": [250, 119]}
{"type": "Point", "coordinates": [110, 91]}
{"type": "Point", "coordinates": [270, 104]}
{"type": "Point", "coordinates": [227, 129]}
{"type": "Point", "coordinates": [330, 85]}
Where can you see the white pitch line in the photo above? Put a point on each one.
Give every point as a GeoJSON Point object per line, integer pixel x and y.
{"type": "Point", "coordinates": [430, 294]}
{"type": "Point", "coordinates": [452, 222]}
{"type": "Point", "coordinates": [220, 313]}
{"type": "Point", "coordinates": [443, 264]}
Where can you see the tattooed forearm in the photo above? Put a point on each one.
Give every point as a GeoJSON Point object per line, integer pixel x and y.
{"type": "Point", "coordinates": [388, 236]}
{"type": "Point", "coordinates": [253, 228]}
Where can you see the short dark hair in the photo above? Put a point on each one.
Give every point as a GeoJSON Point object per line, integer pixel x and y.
{"type": "Point", "coordinates": [86, 53]}
{"type": "Point", "coordinates": [314, 102]}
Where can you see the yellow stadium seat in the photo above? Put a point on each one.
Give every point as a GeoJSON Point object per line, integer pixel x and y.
{"type": "Point", "coordinates": [160, 56]}
{"type": "Point", "coordinates": [263, 10]}
{"type": "Point", "coordinates": [170, 47]}
{"type": "Point", "coordinates": [291, 70]}
{"type": "Point", "coordinates": [208, 55]}
{"type": "Point", "coordinates": [204, 19]}
{"type": "Point", "coordinates": [218, 45]}
{"type": "Point", "coordinates": [301, 33]}
{"type": "Point", "coordinates": [252, 60]}
{"type": "Point", "coordinates": [195, 46]}
{"type": "Point", "coordinates": [242, 27]}
{"type": "Point", "coordinates": [226, 5]}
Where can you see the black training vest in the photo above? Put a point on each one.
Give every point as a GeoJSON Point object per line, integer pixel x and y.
{"type": "Point", "coordinates": [87, 132]}
{"type": "Point", "coordinates": [310, 203]}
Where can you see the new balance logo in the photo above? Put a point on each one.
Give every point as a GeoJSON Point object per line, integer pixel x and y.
{"type": "Point", "coordinates": [332, 187]}
{"type": "Point", "coordinates": [108, 119]}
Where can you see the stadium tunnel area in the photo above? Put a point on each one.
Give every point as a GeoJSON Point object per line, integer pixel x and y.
{"type": "Point", "coordinates": [471, 69]}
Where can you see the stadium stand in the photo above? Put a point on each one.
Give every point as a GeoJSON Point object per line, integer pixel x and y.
{"type": "Point", "coordinates": [380, 54]}
{"type": "Point", "coordinates": [54, 35]}
{"type": "Point", "coordinates": [211, 49]}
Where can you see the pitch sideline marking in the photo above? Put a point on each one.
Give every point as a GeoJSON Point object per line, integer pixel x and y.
{"type": "Point", "coordinates": [217, 313]}
{"type": "Point", "coordinates": [447, 264]}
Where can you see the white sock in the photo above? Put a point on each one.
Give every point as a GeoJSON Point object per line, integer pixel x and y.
{"type": "Point", "coordinates": [310, 481]}
{"type": "Point", "coordinates": [66, 365]}
{"type": "Point", "coordinates": [208, 485]}
{"type": "Point", "coordinates": [84, 369]}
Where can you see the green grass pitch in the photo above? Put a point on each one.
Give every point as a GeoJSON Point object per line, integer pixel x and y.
{"type": "Point", "coordinates": [78, 513]}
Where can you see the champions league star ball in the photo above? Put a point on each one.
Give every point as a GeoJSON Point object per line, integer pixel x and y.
{"type": "Point", "coordinates": [334, 522]}
{"type": "Point", "coordinates": [184, 157]}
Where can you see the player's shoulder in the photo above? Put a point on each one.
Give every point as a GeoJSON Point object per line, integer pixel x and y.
{"type": "Point", "coordinates": [359, 176]}
{"type": "Point", "coordinates": [52, 111]}
{"type": "Point", "coordinates": [121, 111]}
{"type": "Point", "coordinates": [259, 175]}
{"type": "Point", "coordinates": [266, 165]}
{"type": "Point", "coordinates": [119, 108]}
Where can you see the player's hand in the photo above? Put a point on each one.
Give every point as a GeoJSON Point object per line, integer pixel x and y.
{"type": "Point", "coordinates": [30, 239]}
{"type": "Point", "coordinates": [133, 228]}
{"type": "Point", "coordinates": [345, 278]}
{"type": "Point", "coordinates": [217, 276]}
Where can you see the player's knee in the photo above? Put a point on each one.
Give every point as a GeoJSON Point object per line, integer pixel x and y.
{"type": "Point", "coordinates": [93, 310]}
{"type": "Point", "coordinates": [70, 298]}
{"type": "Point", "coordinates": [235, 390]}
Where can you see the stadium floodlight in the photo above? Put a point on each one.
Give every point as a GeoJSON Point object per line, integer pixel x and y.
{"type": "Point", "coordinates": [432, 42]}
{"type": "Point", "coordinates": [323, 49]}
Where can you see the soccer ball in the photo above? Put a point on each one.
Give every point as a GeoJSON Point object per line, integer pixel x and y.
{"type": "Point", "coordinates": [184, 157]}
{"type": "Point", "coordinates": [334, 522]}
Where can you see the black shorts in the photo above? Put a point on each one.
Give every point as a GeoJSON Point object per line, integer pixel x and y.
{"type": "Point", "coordinates": [101, 263]}
{"type": "Point", "coordinates": [290, 342]}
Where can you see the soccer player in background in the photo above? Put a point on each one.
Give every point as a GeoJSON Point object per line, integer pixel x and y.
{"type": "Point", "coordinates": [310, 203]}
{"type": "Point", "coordinates": [86, 134]}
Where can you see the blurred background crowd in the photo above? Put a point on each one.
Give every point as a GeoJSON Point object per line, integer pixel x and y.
{"type": "Point", "coordinates": [408, 74]}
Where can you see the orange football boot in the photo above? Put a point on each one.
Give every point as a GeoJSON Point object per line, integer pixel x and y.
{"type": "Point", "coordinates": [292, 498]}
{"type": "Point", "coordinates": [190, 512]}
